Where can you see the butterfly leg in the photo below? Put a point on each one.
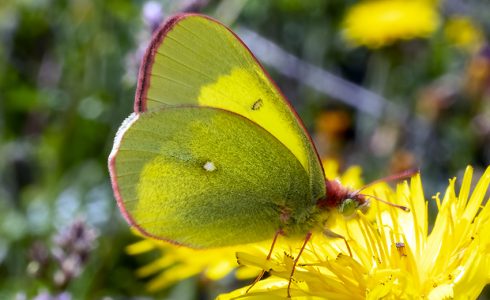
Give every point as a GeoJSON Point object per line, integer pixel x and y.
{"type": "Point", "coordinates": [329, 233]}
{"type": "Point", "coordinates": [262, 273]}
{"type": "Point", "coordinates": [307, 238]}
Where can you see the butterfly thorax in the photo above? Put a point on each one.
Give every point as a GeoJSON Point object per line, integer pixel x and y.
{"type": "Point", "coordinates": [299, 222]}
{"type": "Point", "coordinates": [339, 197]}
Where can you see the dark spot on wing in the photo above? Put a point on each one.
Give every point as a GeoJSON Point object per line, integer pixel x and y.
{"type": "Point", "coordinates": [257, 104]}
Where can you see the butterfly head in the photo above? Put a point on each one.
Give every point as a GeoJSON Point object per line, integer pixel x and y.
{"type": "Point", "coordinates": [345, 200]}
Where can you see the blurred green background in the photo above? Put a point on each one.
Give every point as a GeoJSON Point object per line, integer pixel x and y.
{"type": "Point", "coordinates": [67, 80]}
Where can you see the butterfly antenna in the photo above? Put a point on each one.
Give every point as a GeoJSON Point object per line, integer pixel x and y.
{"type": "Point", "coordinates": [402, 207]}
{"type": "Point", "coordinates": [399, 176]}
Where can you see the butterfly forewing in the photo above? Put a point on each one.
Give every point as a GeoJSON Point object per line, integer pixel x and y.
{"type": "Point", "coordinates": [195, 60]}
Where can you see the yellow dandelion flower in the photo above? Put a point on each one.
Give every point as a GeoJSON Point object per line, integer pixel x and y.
{"type": "Point", "coordinates": [177, 263]}
{"type": "Point", "coordinates": [378, 23]}
{"type": "Point", "coordinates": [394, 254]}
{"type": "Point", "coordinates": [463, 33]}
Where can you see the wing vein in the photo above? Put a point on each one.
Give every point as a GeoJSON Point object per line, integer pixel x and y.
{"type": "Point", "coordinates": [183, 64]}
{"type": "Point", "coordinates": [170, 79]}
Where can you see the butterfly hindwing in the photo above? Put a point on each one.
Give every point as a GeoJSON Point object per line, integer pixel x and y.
{"type": "Point", "coordinates": [204, 177]}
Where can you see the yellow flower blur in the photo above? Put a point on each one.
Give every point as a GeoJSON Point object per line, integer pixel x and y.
{"type": "Point", "coordinates": [462, 32]}
{"type": "Point", "coordinates": [378, 23]}
{"type": "Point", "coordinates": [177, 263]}
{"type": "Point", "coordinates": [394, 254]}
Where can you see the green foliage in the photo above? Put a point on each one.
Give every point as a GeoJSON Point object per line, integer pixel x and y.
{"type": "Point", "coordinates": [61, 74]}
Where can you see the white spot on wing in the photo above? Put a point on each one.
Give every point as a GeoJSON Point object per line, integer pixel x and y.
{"type": "Point", "coordinates": [209, 166]}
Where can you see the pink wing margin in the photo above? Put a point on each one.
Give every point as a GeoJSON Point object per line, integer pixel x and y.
{"type": "Point", "coordinates": [112, 164]}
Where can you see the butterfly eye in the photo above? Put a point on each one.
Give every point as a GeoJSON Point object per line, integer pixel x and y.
{"type": "Point", "coordinates": [348, 207]}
